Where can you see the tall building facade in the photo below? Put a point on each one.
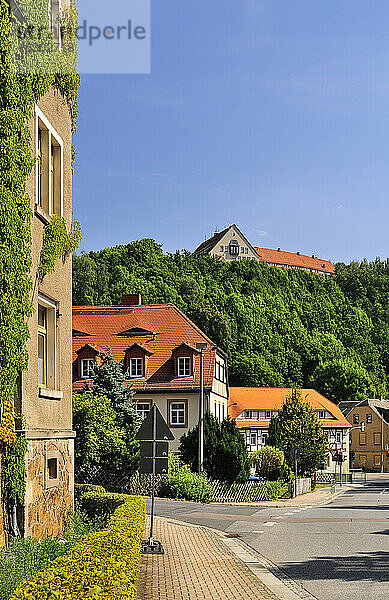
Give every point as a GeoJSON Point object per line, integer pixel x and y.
{"type": "Point", "coordinates": [37, 108]}
{"type": "Point", "coordinates": [46, 389]}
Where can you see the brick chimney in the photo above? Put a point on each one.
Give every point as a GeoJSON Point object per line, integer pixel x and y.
{"type": "Point", "coordinates": [131, 300]}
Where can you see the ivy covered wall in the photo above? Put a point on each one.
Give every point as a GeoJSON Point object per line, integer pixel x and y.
{"type": "Point", "coordinates": [19, 91]}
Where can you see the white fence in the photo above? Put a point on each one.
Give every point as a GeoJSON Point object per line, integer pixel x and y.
{"type": "Point", "coordinates": [300, 486]}
{"type": "Point", "coordinates": [251, 491]}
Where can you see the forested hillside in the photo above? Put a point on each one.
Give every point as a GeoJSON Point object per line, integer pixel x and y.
{"type": "Point", "coordinates": [279, 328]}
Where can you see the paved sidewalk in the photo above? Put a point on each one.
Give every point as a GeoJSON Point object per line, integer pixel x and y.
{"type": "Point", "coordinates": [196, 566]}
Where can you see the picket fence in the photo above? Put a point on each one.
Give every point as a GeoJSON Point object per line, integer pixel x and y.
{"type": "Point", "coordinates": [250, 491]}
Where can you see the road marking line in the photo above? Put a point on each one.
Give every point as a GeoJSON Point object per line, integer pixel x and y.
{"type": "Point", "coordinates": [280, 517]}
{"type": "Point", "coordinates": [257, 532]}
{"type": "Point", "coordinates": [269, 524]}
{"type": "Point", "coordinates": [290, 513]}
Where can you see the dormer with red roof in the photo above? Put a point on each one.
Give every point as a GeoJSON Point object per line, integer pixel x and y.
{"type": "Point", "coordinates": [158, 345]}
{"type": "Point", "coordinates": [136, 361]}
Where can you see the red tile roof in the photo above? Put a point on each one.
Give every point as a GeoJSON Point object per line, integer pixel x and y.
{"type": "Point", "coordinates": [273, 398]}
{"type": "Point", "coordinates": [302, 261]}
{"type": "Point", "coordinates": [170, 329]}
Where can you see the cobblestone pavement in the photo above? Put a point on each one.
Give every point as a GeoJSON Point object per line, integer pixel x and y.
{"type": "Point", "coordinates": [196, 566]}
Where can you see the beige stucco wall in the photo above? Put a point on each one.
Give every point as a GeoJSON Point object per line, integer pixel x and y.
{"type": "Point", "coordinates": [369, 455]}
{"type": "Point", "coordinates": [48, 419]}
{"type": "Point", "coordinates": [42, 413]}
{"type": "Point", "coordinates": [162, 399]}
{"type": "Point", "coordinates": [233, 234]}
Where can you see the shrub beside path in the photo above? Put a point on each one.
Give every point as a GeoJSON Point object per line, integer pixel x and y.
{"type": "Point", "coordinates": [196, 566]}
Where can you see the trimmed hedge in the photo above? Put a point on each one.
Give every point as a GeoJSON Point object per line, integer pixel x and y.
{"type": "Point", "coordinates": [102, 565]}
{"type": "Point", "coordinates": [185, 485]}
{"type": "Point", "coordinates": [94, 500]}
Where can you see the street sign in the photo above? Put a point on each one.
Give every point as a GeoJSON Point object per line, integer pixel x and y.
{"type": "Point", "coordinates": [161, 466]}
{"type": "Point", "coordinates": [146, 431]}
{"type": "Point", "coordinates": [161, 451]}
{"type": "Point", "coordinates": [153, 452]}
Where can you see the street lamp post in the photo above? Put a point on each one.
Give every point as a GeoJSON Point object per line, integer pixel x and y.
{"type": "Point", "coordinates": [201, 347]}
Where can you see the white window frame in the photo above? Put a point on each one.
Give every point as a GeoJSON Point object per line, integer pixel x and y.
{"type": "Point", "coordinates": [321, 414]}
{"type": "Point", "coordinates": [267, 414]}
{"type": "Point", "coordinates": [143, 412]}
{"type": "Point", "coordinates": [136, 361]}
{"type": "Point", "coordinates": [178, 412]}
{"type": "Point", "coordinates": [86, 360]}
{"type": "Point", "coordinates": [50, 306]}
{"type": "Point", "coordinates": [39, 116]}
{"type": "Point", "coordinates": [182, 360]}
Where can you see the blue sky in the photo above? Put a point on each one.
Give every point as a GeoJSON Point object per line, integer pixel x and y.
{"type": "Point", "coordinates": [273, 114]}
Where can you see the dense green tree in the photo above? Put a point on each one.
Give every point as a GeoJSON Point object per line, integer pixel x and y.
{"type": "Point", "coordinates": [109, 379]}
{"type": "Point", "coordinates": [100, 443]}
{"type": "Point", "coordinates": [279, 327]}
{"type": "Point", "coordinates": [225, 454]}
{"type": "Point", "coordinates": [342, 379]}
{"type": "Point", "coordinates": [268, 461]}
{"type": "Point", "coordinates": [297, 426]}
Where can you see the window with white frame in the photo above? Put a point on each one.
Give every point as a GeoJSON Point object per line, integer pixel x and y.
{"type": "Point", "coordinates": [246, 250]}
{"type": "Point", "coordinates": [242, 249]}
{"type": "Point", "coordinates": [184, 366]}
{"type": "Point", "coordinates": [143, 409]}
{"type": "Point", "coordinates": [177, 414]}
{"type": "Point", "coordinates": [268, 414]}
{"type": "Point", "coordinates": [221, 248]}
{"type": "Point", "coordinates": [87, 366]}
{"type": "Point", "coordinates": [49, 166]}
{"type": "Point", "coordinates": [253, 438]}
{"type": "Point", "coordinates": [47, 342]}
{"type": "Point", "coordinates": [136, 367]}
{"type": "Point", "coordinates": [321, 414]}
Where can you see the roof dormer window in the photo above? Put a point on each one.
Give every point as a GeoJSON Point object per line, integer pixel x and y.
{"type": "Point", "coordinates": [184, 366]}
{"type": "Point", "coordinates": [136, 367]}
{"type": "Point", "coordinates": [87, 368]}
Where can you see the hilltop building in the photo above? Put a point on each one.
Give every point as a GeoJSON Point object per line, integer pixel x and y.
{"type": "Point", "coordinates": [369, 449]}
{"type": "Point", "coordinates": [160, 349]}
{"type": "Point", "coordinates": [231, 244]}
{"type": "Point", "coordinates": [252, 409]}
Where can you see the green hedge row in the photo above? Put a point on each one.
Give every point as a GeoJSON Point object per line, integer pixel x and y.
{"type": "Point", "coordinates": [94, 500]}
{"type": "Point", "coordinates": [102, 565]}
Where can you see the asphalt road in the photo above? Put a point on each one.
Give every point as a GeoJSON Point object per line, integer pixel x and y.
{"type": "Point", "coordinates": [337, 551]}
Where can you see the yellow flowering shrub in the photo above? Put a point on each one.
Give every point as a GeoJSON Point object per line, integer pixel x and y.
{"type": "Point", "coordinates": [102, 566]}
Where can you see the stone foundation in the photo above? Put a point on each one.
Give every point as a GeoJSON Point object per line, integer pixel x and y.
{"type": "Point", "coordinates": [48, 498]}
